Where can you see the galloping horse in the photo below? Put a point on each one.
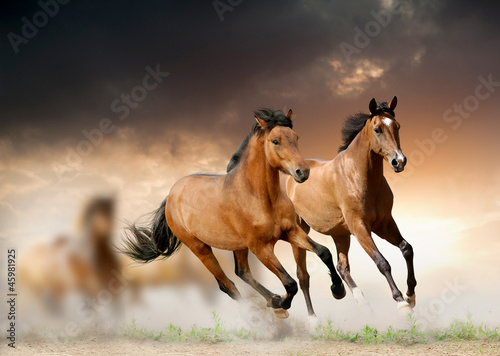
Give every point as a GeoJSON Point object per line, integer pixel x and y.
{"type": "Point", "coordinates": [349, 195]}
{"type": "Point", "coordinates": [242, 210]}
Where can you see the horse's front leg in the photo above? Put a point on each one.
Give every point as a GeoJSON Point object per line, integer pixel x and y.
{"type": "Point", "coordinates": [297, 237]}
{"type": "Point", "coordinates": [363, 235]}
{"type": "Point", "coordinates": [242, 270]}
{"type": "Point", "coordinates": [390, 232]}
{"type": "Point", "coordinates": [265, 253]}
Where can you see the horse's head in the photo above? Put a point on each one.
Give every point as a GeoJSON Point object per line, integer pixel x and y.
{"type": "Point", "coordinates": [282, 152]}
{"type": "Point", "coordinates": [384, 131]}
{"type": "Point", "coordinates": [98, 218]}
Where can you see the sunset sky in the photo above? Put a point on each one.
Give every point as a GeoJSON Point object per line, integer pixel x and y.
{"type": "Point", "coordinates": [323, 59]}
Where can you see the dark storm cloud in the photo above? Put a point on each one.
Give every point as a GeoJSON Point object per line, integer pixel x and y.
{"type": "Point", "coordinates": [90, 53]}
{"type": "Point", "coordinates": [66, 77]}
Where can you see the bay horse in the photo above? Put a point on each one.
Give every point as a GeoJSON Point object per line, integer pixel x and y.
{"type": "Point", "coordinates": [349, 195]}
{"type": "Point", "coordinates": [83, 263]}
{"type": "Point", "coordinates": [242, 210]}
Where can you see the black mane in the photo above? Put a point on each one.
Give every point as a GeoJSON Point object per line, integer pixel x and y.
{"type": "Point", "coordinates": [273, 118]}
{"type": "Point", "coordinates": [352, 126]}
{"type": "Point", "coordinates": [355, 123]}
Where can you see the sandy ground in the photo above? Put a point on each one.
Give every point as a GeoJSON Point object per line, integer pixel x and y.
{"type": "Point", "coordinates": [124, 346]}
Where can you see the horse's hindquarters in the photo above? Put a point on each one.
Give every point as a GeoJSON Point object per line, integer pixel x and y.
{"type": "Point", "coordinates": [197, 208]}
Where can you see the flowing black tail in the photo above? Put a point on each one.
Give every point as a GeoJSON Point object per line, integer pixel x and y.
{"type": "Point", "coordinates": [144, 244]}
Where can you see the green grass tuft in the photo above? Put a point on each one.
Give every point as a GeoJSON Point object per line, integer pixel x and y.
{"type": "Point", "coordinates": [457, 330]}
{"type": "Point", "coordinates": [174, 333]}
{"type": "Point", "coordinates": [467, 330]}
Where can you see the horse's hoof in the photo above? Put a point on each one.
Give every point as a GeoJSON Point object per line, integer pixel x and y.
{"type": "Point", "coordinates": [404, 308]}
{"type": "Point", "coordinates": [338, 291]}
{"type": "Point", "coordinates": [410, 300]}
{"type": "Point", "coordinates": [275, 301]}
{"type": "Point", "coordinates": [281, 313]}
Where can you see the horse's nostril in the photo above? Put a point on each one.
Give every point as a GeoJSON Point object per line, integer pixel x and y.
{"type": "Point", "coordinates": [299, 172]}
{"type": "Point", "coordinates": [394, 162]}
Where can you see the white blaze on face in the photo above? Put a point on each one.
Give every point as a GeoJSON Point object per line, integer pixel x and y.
{"type": "Point", "coordinates": [399, 155]}
{"type": "Point", "coordinates": [387, 121]}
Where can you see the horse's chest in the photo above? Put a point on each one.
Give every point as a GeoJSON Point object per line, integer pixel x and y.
{"type": "Point", "coordinates": [274, 222]}
{"type": "Point", "coordinates": [372, 209]}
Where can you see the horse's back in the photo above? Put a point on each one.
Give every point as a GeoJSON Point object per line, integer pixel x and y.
{"type": "Point", "coordinates": [189, 187]}
{"type": "Point", "coordinates": [196, 194]}
{"type": "Point", "coordinates": [204, 206]}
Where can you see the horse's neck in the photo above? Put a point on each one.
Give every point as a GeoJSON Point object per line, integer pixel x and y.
{"type": "Point", "coordinates": [367, 165]}
{"type": "Point", "coordinates": [258, 174]}
{"type": "Point", "coordinates": [98, 246]}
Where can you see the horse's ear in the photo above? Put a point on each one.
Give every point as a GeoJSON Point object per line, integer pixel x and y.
{"type": "Point", "coordinates": [393, 103]}
{"type": "Point", "coordinates": [262, 124]}
{"type": "Point", "coordinates": [373, 106]}
{"type": "Point", "coordinates": [289, 115]}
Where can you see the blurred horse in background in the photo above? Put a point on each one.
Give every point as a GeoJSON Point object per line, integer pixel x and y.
{"type": "Point", "coordinates": [84, 264]}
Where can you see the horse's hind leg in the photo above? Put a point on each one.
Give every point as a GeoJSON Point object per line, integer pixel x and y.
{"type": "Point", "coordinates": [205, 254]}
{"type": "Point", "coordinates": [300, 258]}
{"type": "Point", "coordinates": [343, 244]}
{"type": "Point", "coordinates": [390, 232]}
{"type": "Point", "coordinates": [242, 270]}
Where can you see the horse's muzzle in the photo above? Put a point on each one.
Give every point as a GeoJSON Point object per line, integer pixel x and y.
{"type": "Point", "coordinates": [300, 175]}
{"type": "Point", "coordinates": [398, 163]}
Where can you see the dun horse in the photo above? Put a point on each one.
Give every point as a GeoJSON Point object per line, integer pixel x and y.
{"type": "Point", "coordinates": [242, 210]}
{"type": "Point", "coordinates": [349, 195]}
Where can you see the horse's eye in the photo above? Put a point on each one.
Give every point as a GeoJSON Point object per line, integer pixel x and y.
{"type": "Point", "coordinates": [377, 130]}
{"type": "Point", "coordinates": [276, 142]}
